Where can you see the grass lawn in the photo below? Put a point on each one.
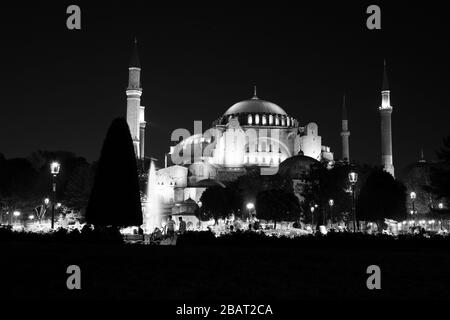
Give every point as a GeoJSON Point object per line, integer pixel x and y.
{"type": "Point", "coordinates": [31, 270]}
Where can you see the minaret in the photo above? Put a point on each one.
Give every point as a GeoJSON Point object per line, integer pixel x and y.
{"type": "Point", "coordinates": [135, 112]}
{"type": "Point", "coordinates": [345, 134]}
{"type": "Point", "coordinates": [386, 129]}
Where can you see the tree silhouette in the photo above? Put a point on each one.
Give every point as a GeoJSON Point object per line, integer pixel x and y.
{"type": "Point", "coordinates": [78, 188]}
{"type": "Point", "coordinates": [277, 205]}
{"type": "Point", "coordinates": [381, 197]}
{"type": "Point", "coordinates": [115, 199]}
{"type": "Point", "coordinates": [218, 203]}
{"type": "Point", "coordinates": [440, 172]}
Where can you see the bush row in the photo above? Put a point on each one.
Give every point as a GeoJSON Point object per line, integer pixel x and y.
{"type": "Point", "coordinates": [86, 235]}
{"type": "Point", "coordinates": [331, 240]}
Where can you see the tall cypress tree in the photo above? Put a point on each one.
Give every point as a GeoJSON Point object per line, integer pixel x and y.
{"type": "Point", "coordinates": [115, 199]}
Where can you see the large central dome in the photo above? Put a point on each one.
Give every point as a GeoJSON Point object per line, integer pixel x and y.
{"type": "Point", "coordinates": [255, 105]}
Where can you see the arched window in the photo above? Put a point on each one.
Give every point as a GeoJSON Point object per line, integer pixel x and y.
{"type": "Point", "coordinates": [250, 119]}
{"type": "Point", "coordinates": [277, 120]}
{"type": "Point", "coordinates": [270, 119]}
{"type": "Point", "coordinates": [257, 119]}
{"type": "Point", "coordinates": [288, 121]}
{"type": "Point", "coordinates": [283, 122]}
{"type": "Point", "coordinates": [264, 122]}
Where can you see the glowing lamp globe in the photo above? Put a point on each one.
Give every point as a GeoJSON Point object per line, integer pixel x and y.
{"type": "Point", "coordinates": [413, 195]}
{"type": "Point", "coordinates": [353, 177]}
{"type": "Point", "coordinates": [250, 206]}
{"type": "Point", "coordinates": [54, 168]}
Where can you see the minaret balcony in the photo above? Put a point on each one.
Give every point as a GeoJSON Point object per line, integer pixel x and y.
{"type": "Point", "coordinates": [134, 91]}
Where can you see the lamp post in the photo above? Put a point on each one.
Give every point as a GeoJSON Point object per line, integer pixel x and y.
{"type": "Point", "coordinates": [413, 196]}
{"type": "Point", "coordinates": [331, 204]}
{"type": "Point", "coordinates": [54, 170]}
{"type": "Point", "coordinates": [353, 178]}
{"type": "Point", "coordinates": [312, 215]}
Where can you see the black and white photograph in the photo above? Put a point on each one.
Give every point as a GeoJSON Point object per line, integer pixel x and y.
{"type": "Point", "coordinates": [225, 160]}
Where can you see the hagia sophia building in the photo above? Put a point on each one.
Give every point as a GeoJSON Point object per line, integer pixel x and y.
{"type": "Point", "coordinates": [251, 133]}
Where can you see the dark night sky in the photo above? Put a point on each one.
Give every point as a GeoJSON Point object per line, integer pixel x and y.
{"type": "Point", "coordinates": [62, 88]}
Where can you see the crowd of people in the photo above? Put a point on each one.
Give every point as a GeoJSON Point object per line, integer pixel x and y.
{"type": "Point", "coordinates": [170, 230]}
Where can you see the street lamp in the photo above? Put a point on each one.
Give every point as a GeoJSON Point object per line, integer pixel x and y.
{"type": "Point", "coordinates": [46, 201]}
{"type": "Point", "coordinates": [16, 215]}
{"type": "Point", "coordinates": [331, 204]}
{"type": "Point", "coordinates": [54, 170]}
{"type": "Point", "coordinates": [353, 178]}
{"type": "Point", "coordinates": [250, 206]}
{"type": "Point", "coordinates": [441, 205]}
{"type": "Point", "coordinates": [312, 215]}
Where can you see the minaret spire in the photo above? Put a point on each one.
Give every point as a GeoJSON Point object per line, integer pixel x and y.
{"type": "Point", "coordinates": [344, 109]}
{"type": "Point", "coordinates": [385, 86]}
{"type": "Point", "coordinates": [422, 156]}
{"type": "Point", "coordinates": [134, 60]}
{"type": "Point", "coordinates": [345, 133]}
{"type": "Point", "coordinates": [386, 128]}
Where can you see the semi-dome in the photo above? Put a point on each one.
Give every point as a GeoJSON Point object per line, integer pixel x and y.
{"type": "Point", "coordinates": [255, 105]}
{"type": "Point", "coordinates": [207, 183]}
{"type": "Point", "coordinates": [295, 167]}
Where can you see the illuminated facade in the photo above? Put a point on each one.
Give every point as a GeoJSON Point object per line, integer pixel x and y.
{"type": "Point", "coordinates": [251, 133]}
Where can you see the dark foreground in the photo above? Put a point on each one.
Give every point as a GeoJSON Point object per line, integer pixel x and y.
{"type": "Point", "coordinates": [207, 273]}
